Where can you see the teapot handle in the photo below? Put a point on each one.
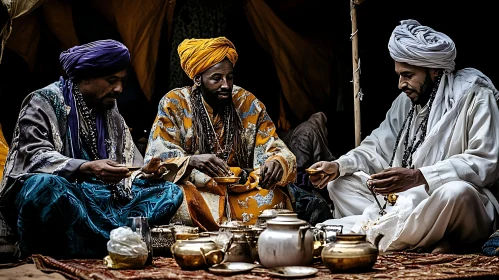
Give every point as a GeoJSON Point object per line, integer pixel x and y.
{"type": "Point", "coordinates": [226, 246]}
{"type": "Point", "coordinates": [204, 257]}
{"type": "Point", "coordinates": [302, 231]}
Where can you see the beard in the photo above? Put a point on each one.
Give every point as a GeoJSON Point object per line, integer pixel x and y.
{"type": "Point", "coordinates": [106, 107]}
{"type": "Point", "coordinates": [105, 103]}
{"type": "Point", "coordinates": [212, 97]}
{"type": "Point", "coordinates": [424, 92]}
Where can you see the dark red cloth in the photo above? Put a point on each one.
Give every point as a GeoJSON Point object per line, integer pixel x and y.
{"type": "Point", "coordinates": [389, 266]}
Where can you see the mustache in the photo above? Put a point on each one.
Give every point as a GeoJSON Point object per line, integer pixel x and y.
{"type": "Point", "coordinates": [406, 89]}
{"type": "Point", "coordinates": [112, 95]}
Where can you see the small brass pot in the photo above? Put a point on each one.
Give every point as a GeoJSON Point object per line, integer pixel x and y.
{"type": "Point", "coordinates": [196, 254]}
{"type": "Point", "coordinates": [350, 252]}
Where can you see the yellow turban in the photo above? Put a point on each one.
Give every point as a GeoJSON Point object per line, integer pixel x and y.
{"type": "Point", "coordinates": [197, 55]}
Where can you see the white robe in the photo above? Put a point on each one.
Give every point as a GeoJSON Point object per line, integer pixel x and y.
{"type": "Point", "coordinates": [459, 160]}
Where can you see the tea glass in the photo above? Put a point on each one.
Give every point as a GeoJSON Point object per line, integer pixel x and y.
{"type": "Point", "coordinates": [140, 225]}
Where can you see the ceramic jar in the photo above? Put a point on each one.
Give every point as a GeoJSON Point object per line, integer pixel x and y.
{"type": "Point", "coordinates": [350, 252]}
{"type": "Point", "coordinates": [287, 241]}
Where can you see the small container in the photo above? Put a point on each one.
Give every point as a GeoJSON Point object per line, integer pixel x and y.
{"type": "Point", "coordinates": [162, 239]}
{"type": "Point", "coordinates": [287, 241]}
{"type": "Point", "coordinates": [350, 252]}
{"type": "Point", "coordinates": [181, 232]}
{"type": "Point", "coordinates": [197, 254]}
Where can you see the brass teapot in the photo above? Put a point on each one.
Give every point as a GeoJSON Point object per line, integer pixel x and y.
{"type": "Point", "coordinates": [196, 254]}
{"type": "Point", "coordinates": [350, 252]}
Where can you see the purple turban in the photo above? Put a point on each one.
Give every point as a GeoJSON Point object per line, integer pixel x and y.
{"type": "Point", "coordinates": [95, 59]}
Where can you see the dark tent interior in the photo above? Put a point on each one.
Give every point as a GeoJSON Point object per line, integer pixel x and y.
{"type": "Point", "coordinates": [271, 65]}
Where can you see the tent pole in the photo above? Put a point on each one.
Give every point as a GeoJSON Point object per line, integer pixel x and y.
{"type": "Point", "coordinates": [356, 70]}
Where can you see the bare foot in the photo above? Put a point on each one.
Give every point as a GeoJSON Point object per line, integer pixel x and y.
{"type": "Point", "coordinates": [443, 247]}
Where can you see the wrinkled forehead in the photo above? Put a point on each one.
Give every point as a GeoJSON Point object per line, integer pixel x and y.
{"type": "Point", "coordinates": [401, 67]}
{"type": "Point", "coordinates": [224, 67]}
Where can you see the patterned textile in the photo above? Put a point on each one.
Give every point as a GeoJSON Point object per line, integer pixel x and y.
{"type": "Point", "coordinates": [172, 135]}
{"type": "Point", "coordinates": [195, 19]}
{"type": "Point", "coordinates": [491, 247]}
{"type": "Point", "coordinates": [391, 266]}
{"type": "Point", "coordinates": [4, 149]}
{"type": "Point", "coordinates": [69, 220]}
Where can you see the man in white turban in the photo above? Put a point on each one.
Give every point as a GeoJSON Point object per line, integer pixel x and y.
{"type": "Point", "coordinates": [437, 151]}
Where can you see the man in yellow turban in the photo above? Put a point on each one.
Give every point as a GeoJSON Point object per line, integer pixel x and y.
{"type": "Point", "coordinates": [225, 131]}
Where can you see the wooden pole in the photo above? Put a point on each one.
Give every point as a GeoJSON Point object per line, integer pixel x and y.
{"type": "Point", "coordinates": [356, 70]}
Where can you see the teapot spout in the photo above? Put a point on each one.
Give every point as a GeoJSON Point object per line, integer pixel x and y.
{"type": "Point", "coordinates": [301, 236]}
{"type": "Point", "coordinates": [212, 257]}
{"type": "Point", "coordinates": [377, 240]}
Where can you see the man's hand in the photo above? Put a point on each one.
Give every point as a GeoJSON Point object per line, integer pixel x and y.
{"type": "Point", "coordinates": [104, 169]}
{"type": "Point", "coordinates": [396, 180]}
{"type": "Point", "coordinates": [328, 171]}
{"type": "Point", "coordinates": [271, 173]}
{"type": "Point", "coordinates": [153, 168]}
{"type": "Point", "coordinates": [210, 165]}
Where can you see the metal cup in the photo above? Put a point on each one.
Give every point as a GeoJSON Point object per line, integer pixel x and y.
{"type": "Point", "coordinates": [324, 235]}
{"type": "Point", "coordinates": [327, 233]}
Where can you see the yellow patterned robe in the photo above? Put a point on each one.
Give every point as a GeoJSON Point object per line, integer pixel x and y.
{"type": "Point", "coordinates": [172, 137]}
{"type": "Point", "coordinates": [4, 149]}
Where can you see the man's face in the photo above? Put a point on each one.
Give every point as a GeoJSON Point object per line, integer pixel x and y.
{"type": "Point", "coordinates": [417, 82]}
{"type": "Point", "coordinates": [101, 93]}
{"type": "Point", "coordinates": [216, 83]}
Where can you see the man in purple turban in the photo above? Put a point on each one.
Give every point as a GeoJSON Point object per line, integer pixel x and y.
{"type": "Point", "coordinates": [67, 183]}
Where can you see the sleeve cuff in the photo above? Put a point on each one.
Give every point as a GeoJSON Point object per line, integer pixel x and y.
{"type": "Point", "coordinates": [345, 166]}
{"type": "Point", "coordinates": [432, 178]}
{"type": "Point", "coordinates": [70, 169]}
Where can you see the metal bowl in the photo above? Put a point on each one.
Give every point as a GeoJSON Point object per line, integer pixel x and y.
{"type": "Point", "coordinates": [312, 171]}
{"type": "Point", "coordinates": [226, 180]}
{"type": "Point", "coordinates": [229, 268]}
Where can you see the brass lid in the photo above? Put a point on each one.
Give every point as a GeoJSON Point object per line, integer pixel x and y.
{"type": "Point", "coordinates": [351, 237]}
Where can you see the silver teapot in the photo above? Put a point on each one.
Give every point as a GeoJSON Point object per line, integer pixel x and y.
{"type": "Point", "coordinates": [287, 241]}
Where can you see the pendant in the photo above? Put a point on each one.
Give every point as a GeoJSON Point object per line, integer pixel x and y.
{"type": "Point", "coordinates": [392, 198]}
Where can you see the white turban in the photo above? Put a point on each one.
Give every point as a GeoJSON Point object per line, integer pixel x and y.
{"type": "Point", "coordinates": [420, 45]}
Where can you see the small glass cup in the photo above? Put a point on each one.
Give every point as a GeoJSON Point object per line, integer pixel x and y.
{"type": "Point", "coordinates": [327, 233]}
{"type": "Point", "coordinates": [140, 225]}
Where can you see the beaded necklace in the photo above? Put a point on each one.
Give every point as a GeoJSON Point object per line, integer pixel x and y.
{"type": "Point", "coordinates": [410, 149]}
{"type": "Point", "coordinates": [89, 116]}
{"type": "Point", "coordinates": [207, 138]}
